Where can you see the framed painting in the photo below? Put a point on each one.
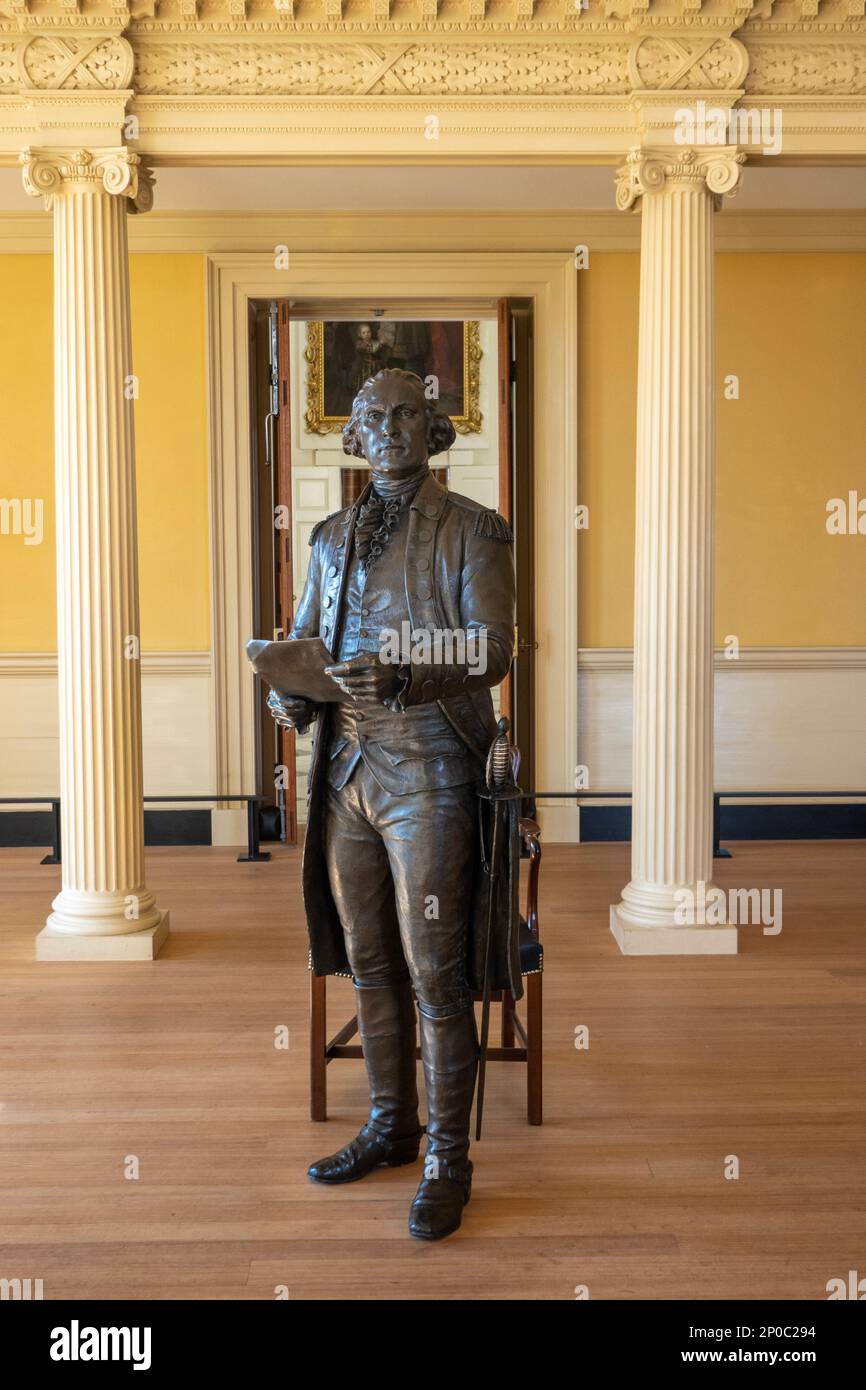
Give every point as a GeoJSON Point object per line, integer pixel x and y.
{"type": "Point", "coordinates": [341, 356]}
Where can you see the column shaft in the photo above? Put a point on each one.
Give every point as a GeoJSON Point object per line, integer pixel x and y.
{"type": "Point", "coordinates": [104, 909]}
{"type": "Point", "coordinates": [672, 843]}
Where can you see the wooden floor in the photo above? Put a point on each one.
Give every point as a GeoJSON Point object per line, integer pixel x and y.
{"type": "Point", "coordinates": [761, 1056]}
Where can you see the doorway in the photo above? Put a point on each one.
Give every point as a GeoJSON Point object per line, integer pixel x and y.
{"type": "Point", "coordinates": [306, 363]}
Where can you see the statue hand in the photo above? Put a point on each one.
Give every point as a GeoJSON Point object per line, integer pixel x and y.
{"type": "Point", "coordinates": [290, 711]}
{"type": "Point", "coordinates": [365, 679]}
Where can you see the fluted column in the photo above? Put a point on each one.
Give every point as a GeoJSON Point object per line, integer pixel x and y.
{"type": "Point", "coordinates": [672, 778]}
{"type": "Point", "coordinates": [104, 910]}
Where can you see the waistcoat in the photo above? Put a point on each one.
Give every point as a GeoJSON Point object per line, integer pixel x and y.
{"type": "Point", "coordinates": [409, 751]}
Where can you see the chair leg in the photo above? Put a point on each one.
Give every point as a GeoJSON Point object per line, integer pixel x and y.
{"type": "Point", "coordinates": [318, 1044]}
{"type": "Point", "coordinates": [507, 1018]}
{"type": "Point", "coordinates": [534, 1049]}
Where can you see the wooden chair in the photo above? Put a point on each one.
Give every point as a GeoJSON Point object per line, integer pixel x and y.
{"type": "Point", "coordinates": [528, 1047]}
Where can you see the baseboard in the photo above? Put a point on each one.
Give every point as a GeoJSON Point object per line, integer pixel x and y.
{"type": "Point", "coordinates": [36, 828]}
{"type": "Point", "coordinates": [177, 827]}
{"type": "Point", "coordinates": [597, 823]}
{"type": "Point", "coordinates": [809, 822]}
{"type": "Point", "coordinates": [28, 828]}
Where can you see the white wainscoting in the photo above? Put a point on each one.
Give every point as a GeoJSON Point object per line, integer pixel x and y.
{"type": "Point", "coordinates": [785, 718]}
{"type": "Point", "coordinates": [177, 724]}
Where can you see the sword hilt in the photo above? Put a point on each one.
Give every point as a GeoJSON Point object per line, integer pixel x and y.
{"type": "Point", "coordinates": [497, 773]}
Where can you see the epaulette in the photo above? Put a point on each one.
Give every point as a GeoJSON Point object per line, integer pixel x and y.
{"type": "Point", "coordinates": [493, 526]}
{"type": "Point", "coordinates": [319, 524]}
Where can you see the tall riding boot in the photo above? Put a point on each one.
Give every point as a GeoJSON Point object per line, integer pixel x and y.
{"type": "Point", "coordinates": [449, 1051]}
{"type": "Point", "coordinates": [392, 1135]}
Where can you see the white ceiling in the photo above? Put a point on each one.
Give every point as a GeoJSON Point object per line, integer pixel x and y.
{"type": "Point", "coordinates": [491, 188]}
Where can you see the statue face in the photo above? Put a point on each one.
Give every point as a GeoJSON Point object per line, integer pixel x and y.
{"type": "Point", "coordinates": [393, 428]}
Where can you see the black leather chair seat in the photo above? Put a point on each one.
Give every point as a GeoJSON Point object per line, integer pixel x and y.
{"type": "Point", "coordinates": [531, 953]}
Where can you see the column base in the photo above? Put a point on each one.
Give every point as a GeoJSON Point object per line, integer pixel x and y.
{"type": "Point", "coordinates": [671, 940]}
{"type": "Point", "coordinates": [137, 945]}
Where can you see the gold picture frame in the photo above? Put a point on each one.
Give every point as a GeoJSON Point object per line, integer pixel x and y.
{"type": "Point", "coordinates": [318, 420]}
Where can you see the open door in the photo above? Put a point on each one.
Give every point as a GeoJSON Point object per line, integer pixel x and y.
{"type": "Point", "coordinates": [272, 535]}
{"type": "Point", "coordinates": [516, 505]}
{"type": "Point", "coordinates": [286, 505]}
{"type": "Point", "coordinates": [283, 555]}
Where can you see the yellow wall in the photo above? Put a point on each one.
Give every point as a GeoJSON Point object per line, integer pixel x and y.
{"type": "Point", "coordinates": [169, 358]}
{"type": "Point", "coordinates": [27, 599]}
{"type": "Point", "coordinates": [607, 373]}
{"type": "Point", "coordinates": [793, 328]}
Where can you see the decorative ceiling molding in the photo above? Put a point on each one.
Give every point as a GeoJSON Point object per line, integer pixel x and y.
{"type": "Point", "coordinates": [59, 62]}
{"type": "Point", "coordinates": [807, 69]}
{"type": "Point", "coordinates": [686, 62]}
{"type": "Point", "coordinates": [234, 80]}
{"type": "Point", "coordinates": [342, 68]}
{"type": "Point", "coordinates": [211, 17]}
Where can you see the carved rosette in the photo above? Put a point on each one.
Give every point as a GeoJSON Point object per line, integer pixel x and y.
{"type": "Point", "coordinates": [48, 173]}
{"type": "Point", "coordinates": [652, 171]}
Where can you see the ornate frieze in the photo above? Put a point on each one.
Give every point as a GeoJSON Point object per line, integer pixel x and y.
{"type": "Point", "coordinates": [183, 69]}
{"type": "Point", "coordinates": [76, 61]}
{"type": "Point", "coordinates": [527, 48]}
{"type": "Point", "coordinates": [10, 77]}
{"type": "Point", "coordinates": [807, 69]}
{"type": "Point", "coordinates": [372, 69]}
{"type": "Point", "coordinates": [685, 62]}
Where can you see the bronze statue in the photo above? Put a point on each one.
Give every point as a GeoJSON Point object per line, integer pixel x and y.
{"type": "Point", "coordinates": [394, 889]}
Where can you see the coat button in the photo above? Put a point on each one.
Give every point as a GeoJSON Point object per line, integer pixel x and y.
{"type": "Point", "coordinates": [424, 591]}
{"type": "Point", "coordinates": [332, 571]}
{"type": "Point", "coordinates": [423, 535]}
{"type": "Point", "coordinates": [327, 600]}
{"type": "Point", "coordinates": [422, 564]}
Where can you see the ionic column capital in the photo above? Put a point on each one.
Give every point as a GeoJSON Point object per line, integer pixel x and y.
{"type": "Point", "coordinates": [49, 173]}
{"type": "Point", "coordinates": [716, 171]}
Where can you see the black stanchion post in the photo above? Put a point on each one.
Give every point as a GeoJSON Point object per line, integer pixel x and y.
{"type": "Point", "coordinates": [254, 854]}
{"type": "Point", "coordinates": [54, 856]}
{"type": "Point", "coordinates": [718, 852]}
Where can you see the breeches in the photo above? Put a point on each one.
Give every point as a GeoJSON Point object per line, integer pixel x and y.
{"type": "Point", "coordinates": [401, 870]}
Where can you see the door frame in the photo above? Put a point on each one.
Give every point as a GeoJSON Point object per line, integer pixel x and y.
{"type": "Point", "coordinates": [549, 279]}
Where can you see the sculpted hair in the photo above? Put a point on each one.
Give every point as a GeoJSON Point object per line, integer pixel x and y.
{"type": "Point", "coordinates": [440, 431]}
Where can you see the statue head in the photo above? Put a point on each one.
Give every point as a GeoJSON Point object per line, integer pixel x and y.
{"type": "Point", "coordinates": [393, 425]}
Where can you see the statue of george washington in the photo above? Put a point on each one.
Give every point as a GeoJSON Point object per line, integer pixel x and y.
{"type": "Point", "coordinates": [393, 885]}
